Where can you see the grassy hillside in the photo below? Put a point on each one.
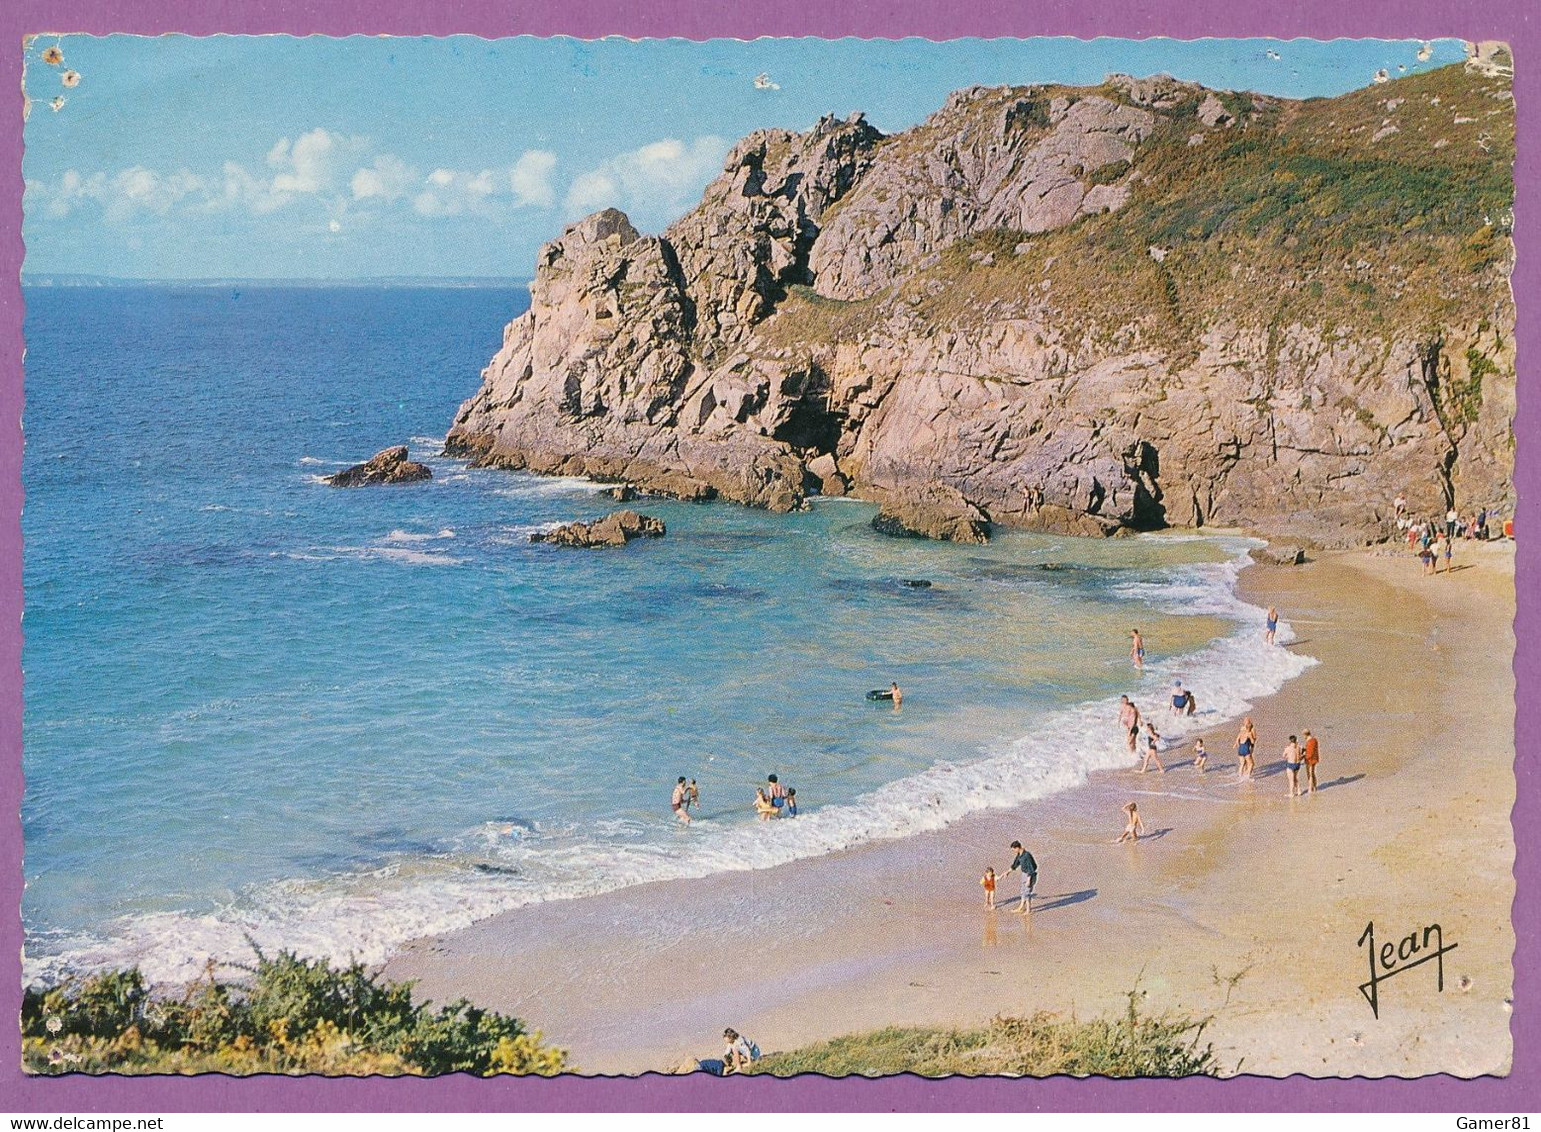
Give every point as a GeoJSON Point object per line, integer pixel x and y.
{"type": "Point", "coordinates": [1386, 208]}
{"type": "Point", "coordinates": [1039, 1046]}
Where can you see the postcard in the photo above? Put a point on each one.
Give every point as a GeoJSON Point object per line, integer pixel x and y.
{"type": "Point", "coordinates": [971, 558]}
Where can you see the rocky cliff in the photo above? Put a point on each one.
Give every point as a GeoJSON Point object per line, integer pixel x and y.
{"type": "Point", "coordinates": [1080, 309]}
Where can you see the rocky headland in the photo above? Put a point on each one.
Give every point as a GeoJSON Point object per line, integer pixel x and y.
{"type": "Point", "coordinates": [1085, 310]}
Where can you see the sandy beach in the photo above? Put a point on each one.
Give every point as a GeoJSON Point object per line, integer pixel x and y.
{"type": "Point", "coordinates": [1242, 903]}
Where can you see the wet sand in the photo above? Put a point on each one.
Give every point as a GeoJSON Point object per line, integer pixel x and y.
{"type": "Point", "coordinates": [1240, 903]}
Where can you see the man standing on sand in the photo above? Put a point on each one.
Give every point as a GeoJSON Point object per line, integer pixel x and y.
{"type": "Point", "coordinates": [1137, 649]}
{"type": "Point", "coordinates": [1129, 720]}
{"type": "Point", "coordinates": [1312, 755]}
{"type": "Point", "coordinates": [1023, 862]}
{"type": "Point", "coordinates": [678, 802]}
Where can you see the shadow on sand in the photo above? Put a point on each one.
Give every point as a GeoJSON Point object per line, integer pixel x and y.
{"type": "Point", "coordinates": [1049, 903]}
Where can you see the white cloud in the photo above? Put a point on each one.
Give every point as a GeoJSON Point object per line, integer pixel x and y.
{"type": "Point", "coordinates": [307, 166]}
{"type": "Point", "coordinates": [388, 179]}
{"type": "Point", "coordinates": [656, 179]}
{"type": "Point", "coordinates": [530, 178]}
{"type": "Point", "coordinates": [312, 167]}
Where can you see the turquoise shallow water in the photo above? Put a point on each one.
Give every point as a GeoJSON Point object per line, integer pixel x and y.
{"type": "Point", "coordinates": [339, 719]}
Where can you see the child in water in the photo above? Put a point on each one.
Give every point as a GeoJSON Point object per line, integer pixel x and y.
{"type": "Point", "coordinates": [988, 880]}
{"type": "Point", "coordinates": [1152, 744]}
{"type": "Point", "coordinates": [790, 809]}
{"type": "Point", "coordinates": [1134, 828]}
{"type": "Point", "coordinates": [762, 805]}
{"type": "Point", "coordinates": [1200, 757]}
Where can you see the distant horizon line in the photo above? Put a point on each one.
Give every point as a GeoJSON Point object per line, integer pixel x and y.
{"type": "Point", "coordinates": [73, 279]}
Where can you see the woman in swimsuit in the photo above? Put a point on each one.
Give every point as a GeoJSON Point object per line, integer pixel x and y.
{"type": "Point", "coordinates": [1246, 743]}
{"type": "Point", "coordinates": [1273, 624]}
{"type": "Point", "coordinates": [1152, 741]}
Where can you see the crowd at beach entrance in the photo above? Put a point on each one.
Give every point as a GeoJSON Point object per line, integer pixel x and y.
{"type": "Point", "coordinates": [1433, 538]}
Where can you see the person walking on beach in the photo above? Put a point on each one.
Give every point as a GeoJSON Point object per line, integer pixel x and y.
{"type": "Point", "coordinates": [1292, 765]}
{"type": "Point", "coordinates": [680, 802]}
{"type": "Point", "coordinates": [1449, 555]}
{"type": "Point", "coordinates": [988, 880]}
{"type": "Point", "coordinates": [1313, 754]}
{"type": "Point", "coordinates": [1137, 649]}
{"type": "Point", "coordinates": [1152, 742]}
{"type": "Point", "coordinates": [1023, 862]}
{"type": "Point", "coordinates": [1129, 720]}
{"type": "Point", "coordinates": [1452, 521]}
{"type": "Point", "coordinates": [1200, 756]}
{"type": "Point", "coordinates": [1273, 624]}
{"type": "Point", "coordinates": [1246, 743]}
{"type": "Point", "coordinates": [1134, 827]}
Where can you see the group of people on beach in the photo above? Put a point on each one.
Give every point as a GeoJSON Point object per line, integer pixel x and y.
{"type": "Point", "coordinates": [1300, 755]}
{"type": "Point", "coordinates": [1434, 539]}
{"type": "Point", "coordinates": [773, 800]}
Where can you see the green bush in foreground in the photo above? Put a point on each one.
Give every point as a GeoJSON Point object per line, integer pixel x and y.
{"type": "Point", "coordinates": [1042, 1045]}
{"type": "Point", "coordinates": [294, 1016]}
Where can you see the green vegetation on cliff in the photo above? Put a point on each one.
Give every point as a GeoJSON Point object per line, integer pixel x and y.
{"type": "Point", "coordinates": [293, 1016]}
{"type": "Point", "coordinates": [1389, 207]}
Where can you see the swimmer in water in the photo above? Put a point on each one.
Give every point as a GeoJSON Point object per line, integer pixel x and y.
{"type": "Point", "coordinates": [1137, 649]}
{"type": "Point", "coordinates": [679, 802]}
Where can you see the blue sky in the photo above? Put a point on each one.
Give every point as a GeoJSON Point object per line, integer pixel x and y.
{"type": "Point", "coordinates": [273, 156]}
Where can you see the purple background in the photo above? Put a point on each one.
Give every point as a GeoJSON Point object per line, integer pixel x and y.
{"type": "Point", "coordinates": [1185, 19]}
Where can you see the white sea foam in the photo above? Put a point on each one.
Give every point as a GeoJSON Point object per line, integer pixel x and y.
{"type": "Point", "coordinates": [419, 536]}
{"type": "Point", "coordinates": [403, 554]}
{"type": "Point", "coordinates": [524, 486]}
{"type": "Point", "coordinates": [497, 865]}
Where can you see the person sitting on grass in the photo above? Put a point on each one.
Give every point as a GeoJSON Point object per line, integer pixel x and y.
{"type": "Point", "coordinates": [738, 1052]}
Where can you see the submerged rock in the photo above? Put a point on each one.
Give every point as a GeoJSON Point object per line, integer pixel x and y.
{"type": "Point", "coordinates": [934, 511]}
{"type": "Point", "coordinates": [613, 530]}
{"type": "Point", "coordinates": [388, 466]}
